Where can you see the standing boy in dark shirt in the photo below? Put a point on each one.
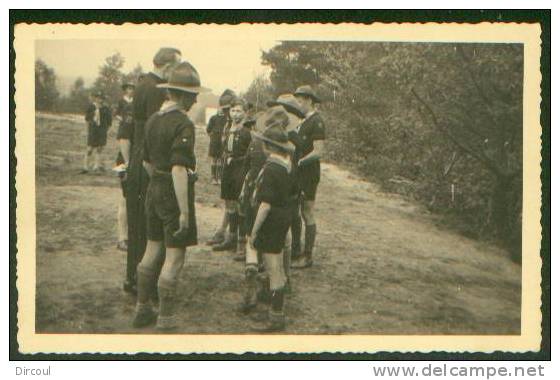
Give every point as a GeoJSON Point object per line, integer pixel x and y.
{"type": "Point", "coordinates": [98, 117]}
{"type": "Point", "coordinates": [215, 130]}
{"type": "Point", "coordinates": [235, 144]}
{"type": "Point", "coordinates": [272, 220]}
{"type": "Point", "coordinates": [147, 100]}
{"type": "Point", "coordinates": [291, 105]}
{"type": "Point", "coordinates": [227, 98]}
{"type": "Point", "coordinates": [170, 161]}
{"type": "Point", "coordinates": [309, 140]}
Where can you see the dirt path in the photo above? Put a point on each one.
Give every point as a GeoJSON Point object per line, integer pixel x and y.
{"type": "Point", "coordinates": [382, 266]}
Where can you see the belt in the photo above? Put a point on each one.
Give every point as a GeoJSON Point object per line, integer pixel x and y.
{"type": "Point", "coordinates": [193, 175]}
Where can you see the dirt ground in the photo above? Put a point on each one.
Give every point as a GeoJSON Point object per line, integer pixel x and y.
{"type": "Point", "coordinates": [381, 264]}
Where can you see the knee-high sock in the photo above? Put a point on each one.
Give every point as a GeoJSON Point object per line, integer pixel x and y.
{"type": "Point", "coordinates": [233, 223]}
{"type": "Point", "coordinates": [96, 158]}
{"type": "Point", "coordinates": [242, 227]}
{"type": "Point", "coordinates": [296, 234]}
{"type": "Point", "coordinates": [310, 233]}
{"type": "Point", "coordinates": [86, 160]}
{"type": "Point", "coordinates": [167, 301]}
{"type": "Point", "coordinates": [146, 283]}
{"type": "Point", "coordinates": [122, 224]}
{"type": "Point", "coordinates": [251, 273]}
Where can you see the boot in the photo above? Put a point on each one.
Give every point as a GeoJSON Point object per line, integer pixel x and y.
{"type": "Point", "coordinates": [229, 244]}
{"type": "Point", "coordinates": [276, 320]}
{"type": "Point", "coordinates": [306, 261]}
{"type": "Point", "coordinates": [218, 238]}
{"type": "Point", "coordinates": [250, 298]}
{"type": "Point", "coordinates": [302, 262]}
{"type": "Point", "coordinates": [144, 317]}
{"type": "Point", "coordinates": [240, 254]}
{"type": "Point", "coordinates": [130, 287]}
{"type": "Point", "coordinates": [263, 293]}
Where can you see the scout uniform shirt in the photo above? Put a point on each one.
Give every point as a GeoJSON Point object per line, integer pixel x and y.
{"type": "Point", "coordinates": [274, 186]}
{"type": "Point", "coordinates": [309, 173]}
{"type": "Point", "coordinates": [169, 141]}
{"type": "Point", "coordinates": [126, 125]}
{"type": "Point", "coordinates": [236, 141]}
{"type": "Point", "coordinates": [99, 119]}
{"type": "Point", "coordinates": [311, 129]}
{"type": "Point", "coordinates": [216, 126]}
{"type": "Point", "coordinates": [235, 144]}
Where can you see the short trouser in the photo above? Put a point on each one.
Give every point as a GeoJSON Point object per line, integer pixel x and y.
{"type": "Point", "coordinates": [271, 237]}
{"type": "Point", "coordinates": [215, 147]}
{"type": "Point", "coordinates": [308, 180]}
{"type": "Point", "coordinates": [97, 136]}
{"type": "Point", "coordinates": [162, 214]}
{"type": "Point", "coordinates": [233, 176]}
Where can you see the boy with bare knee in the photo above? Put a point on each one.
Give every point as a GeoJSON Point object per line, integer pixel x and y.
{"type": "Point", "coordinates": [171, 222]}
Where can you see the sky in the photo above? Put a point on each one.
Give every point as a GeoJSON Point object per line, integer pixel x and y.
{"type": "Point", "coordinates": [221, 64]}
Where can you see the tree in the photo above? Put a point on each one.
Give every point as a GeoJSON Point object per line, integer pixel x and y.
{"type": "Point", "coordinates": [135, 74]}
{"type": "Point", "coordinates": [446, 117]}
{"type": "Point", "coordinates": [46, 93]}
{"type": "Point", "coordinates": [259, 92]}
{"type": "Point", "coordinates": [110, 78]}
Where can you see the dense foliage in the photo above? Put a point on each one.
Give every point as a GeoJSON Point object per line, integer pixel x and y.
{"type": "Point", "coordinates": [438, 122]}
{"type": "Point", "coordinates": [46, 94]}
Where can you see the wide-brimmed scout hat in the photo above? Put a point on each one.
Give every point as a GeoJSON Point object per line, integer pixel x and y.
{"type": "Point", "coordinates": [167, 55]}
{"type": "Point", "coordinates": [126, 85]}
{"type": "Point", "coordinates": [307, 91]}
{"type": "Point", "coordinates": [184, 77]}
{"type": "Point", "coordinates": [276, 120]}
{"type": "Point", "coordinates": [227, 97]}
{"type": "Point", "coordinates": [289, 102]}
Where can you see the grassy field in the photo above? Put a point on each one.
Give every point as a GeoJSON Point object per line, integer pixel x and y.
{"type": "Point", "coordinates": [382, 266]}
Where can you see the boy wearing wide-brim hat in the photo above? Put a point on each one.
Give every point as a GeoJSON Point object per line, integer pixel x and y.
{"type": "Point", "coordinates": [170, 161]}
{"type": "Point", "coordinates": [215, 129]}
{"type": "Point", "coordinates": [225, 101]}
{"type": "Point", "coordinates": [292, 106]}
{"type": "Point", "coordinates": [148, 99]}
{"type": "Point", "coordinates": [309, 140]}
{"type": "Point", "coordinates": [272, 220]}
{"type": "Point", "coordinates": [98, 117]}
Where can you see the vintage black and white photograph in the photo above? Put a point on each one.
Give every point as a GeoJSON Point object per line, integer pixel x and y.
{"type": "Point", "coordinates": [281, 184]}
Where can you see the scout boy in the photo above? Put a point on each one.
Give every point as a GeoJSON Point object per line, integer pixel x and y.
{"type": "Point", "coordinates": [170, 162]}
{"type": "Point", "coordinates": [98, 117]}
{"type": "Point", "coordinates": [147, 99]}
{"type": "Point", "coordinates": [123, 115]}
{"type": "Point", "coordinates": [309, 140]}
{"type": "Point", "coordinates": [227, 97]}
{"type": "Point", "coordinates": [215, 129]}
{"type": "Point", "coordinates": [254, 161]}
{"type": "Point", "coordinates": [235, 142]}
{"type": "Point", "coordinates": [272, 220]}
{"type": "Point", "coordinates": [291, 105]}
